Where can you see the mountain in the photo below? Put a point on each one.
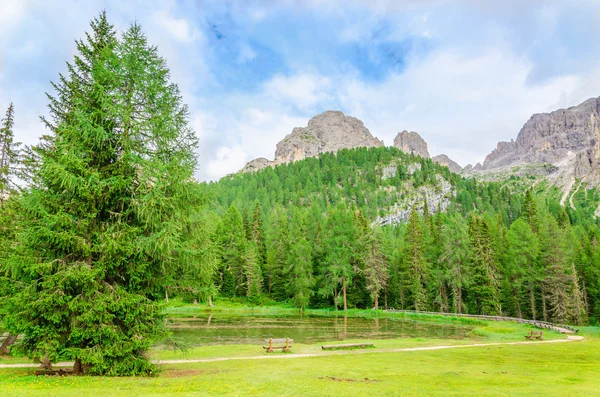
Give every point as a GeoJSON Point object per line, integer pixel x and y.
{"type": "Point", "coordinates": [411, 142]}
{"type": "Point", "coordinates": [446, 161]}
{"type": "Point", "coordinates": [563, 145]}
{"type": "Point", "coordinates": [327, 132]}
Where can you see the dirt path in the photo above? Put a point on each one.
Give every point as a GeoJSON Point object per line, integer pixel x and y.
{"type": "Point", "coordinates": [570, 338]}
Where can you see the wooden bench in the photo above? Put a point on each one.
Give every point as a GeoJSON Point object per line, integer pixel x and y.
{"type": "Point", "coordinates": [534, 335]}
{"type": "Point", "coordinates": [271, 344]}
{"type": "Point", "coordinates": [348, 346]}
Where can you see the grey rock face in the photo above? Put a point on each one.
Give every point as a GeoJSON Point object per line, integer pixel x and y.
{"type": "Point", "coordinates": [550, 137]}
{"type": "Point", "coordinates": [411, 142]}
{"type": "Point", "coordinates": [256, 164]}
{"type": "Point", "coordinates": [444, 160]}
{"type": "Point", "coordinates": [437, 197]}
{"type": "Point", "coordinates": [326, 132]}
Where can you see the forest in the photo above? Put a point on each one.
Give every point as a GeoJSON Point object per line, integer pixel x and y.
{"type": "Point", "coordinates": [305, 233]}
{"type": "Point", "coordinates": [102, 221]}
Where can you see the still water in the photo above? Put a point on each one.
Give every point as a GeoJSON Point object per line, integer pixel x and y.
{"type": "Point", "coordinates": [223, 328]}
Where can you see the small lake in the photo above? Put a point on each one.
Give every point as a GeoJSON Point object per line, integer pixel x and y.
{"type": "Point", "coordinates": [224, 328]}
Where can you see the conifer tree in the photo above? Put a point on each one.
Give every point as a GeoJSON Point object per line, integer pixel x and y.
{"type": "Point", "coordinates": [341, 250]}
{"type": "Point", "coordinates": [299, 263]}
{"type": "Point", "coordinates": [454, 259]}
{"type": "Point", "coordinates": [376, 267]}
{"type": "Point", "coordinates": [258, 234]}
{"type": "Point", "coordinates": [233, 245]}
{"type": "Point", "coordinates": [104, 216]}
{"type": "Point", "coordinates": [416, 264]}
{"type": "Point", "coordinates": [522, 270]}
{"type": "Point", "coordinates": [9, 154]}
{"type": "Point", "coordinates": [484, 268]}
{"type": "Point", "coordinates": [252, 272]}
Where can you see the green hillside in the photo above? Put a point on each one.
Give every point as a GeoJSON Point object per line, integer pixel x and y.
{"type": "Point", "coordinates": [309, 233]}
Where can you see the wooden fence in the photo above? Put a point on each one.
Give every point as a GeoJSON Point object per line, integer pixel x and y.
{"type": "Point", "coordinates": [536, 323]}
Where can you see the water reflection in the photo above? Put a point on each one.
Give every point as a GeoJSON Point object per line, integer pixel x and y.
{"type": "Point", "coordinates": [223, 328]}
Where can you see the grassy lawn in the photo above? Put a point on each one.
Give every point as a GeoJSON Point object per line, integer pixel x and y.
{"type": "Point", "coordinates": [561, 369]}
{"type": "Point", "coordinates": [553, 369]}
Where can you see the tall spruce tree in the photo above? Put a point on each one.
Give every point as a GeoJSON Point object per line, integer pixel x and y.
{"type": "Point", "coordinates": [299, 263]}
{"type": "Point", "coordinates": [483, 267]}
{"type": "Point", "coordinates": [342, 246]}
{"type": "Point", "coordinates": [415, 262]}
{"type": "Point", "coordinates": [104, 216]}
{"type": "Point", "coordinates": [10, 153]}
{"type": "Point", "coordinates": [233, 245]}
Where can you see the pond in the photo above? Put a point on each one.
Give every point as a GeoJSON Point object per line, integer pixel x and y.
{"type": "Point", "coordinates": [224, 328]}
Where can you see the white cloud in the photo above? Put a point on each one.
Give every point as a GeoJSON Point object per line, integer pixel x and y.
{"type": "Point", "coordinates": [304, 90]}
{"type": "Point", "coordinates": [227, 161]}
{"type": "Point", "coordinates": [179, 28]}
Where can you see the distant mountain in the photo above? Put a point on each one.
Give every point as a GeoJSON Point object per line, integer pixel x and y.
{"type": "Point", "coordinates": [444, 160]}
{"type": "Point", "coordinates": [327, 132]}
{"type": "Point", "coordinates": [412, 143]}
{"type": "Point", "coordinates": [567, 139]}
{"type": "Point", "coordinates": [332, 131]}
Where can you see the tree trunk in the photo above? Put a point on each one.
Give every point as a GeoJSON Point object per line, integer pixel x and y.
{"type": "Point", "coordinates": [166, 295]}
{"type": "Point", "coordinates": [210, 301]}
{"type": "Point", "coordinates": [195, 301]}
{"type": "Point", "coordinates": [46, 364]}
{"type": "Point", "coordinates": [532, 302]}
{"type": "Point", "coordinates": [10, 340]}
{"type": "Point", "coordinates": [345, 303]}
{"type": "Point", "coordinates": [460, 301]}
{"type": "Point", "coordinates": [376, 303]}
{"type": "Point", "coordinates": [77, 367]}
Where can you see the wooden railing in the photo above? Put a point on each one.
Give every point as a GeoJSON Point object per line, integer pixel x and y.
{"type": "Point", "coordinates": [536, 323]}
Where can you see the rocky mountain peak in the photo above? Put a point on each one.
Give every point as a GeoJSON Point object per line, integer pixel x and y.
{"type": "Point", "coordinates": [327, 132]}
{"type": "Point", "coordinates": [444, 160]}
{"type": "Point", "coordinates": [411, 142]}
{"type": "Point", "coordinates": [550, 137]}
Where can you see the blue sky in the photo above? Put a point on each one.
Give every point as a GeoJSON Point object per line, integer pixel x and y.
{"type": "Point", "coordinates": [464, 74]}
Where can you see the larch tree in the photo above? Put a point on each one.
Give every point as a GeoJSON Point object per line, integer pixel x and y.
{"type": "Point", "coordinates": [104, 216]}
{"type": "Point", "coordinates": [376, 264]}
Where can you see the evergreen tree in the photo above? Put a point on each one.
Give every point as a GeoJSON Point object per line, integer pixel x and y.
{"type": "Point", "coordinates": [416, 263]}
{"type": "Point", "coordinates": [376, 270]}
{"type": "Point", "coordinates": [484, 268]}
{"type": "Point", "coordinates": [522, 271]}
{"type": "Point", "coordinates": [233, 245]}
{"type": "Point", "coordinates": [341, 250]}
{"type": "Point", "coordinates": [252, 272]}
{"type": "Point", "coordinates": [299, 263]}
{"type": "Point", "coordinates": [454, 260]}
{"type": "Point", "coordinates": [104, 216]}
{"type": "Point", "coordinates": [258, 234]}
{"type": "Point", "coordinates": [9, 154]}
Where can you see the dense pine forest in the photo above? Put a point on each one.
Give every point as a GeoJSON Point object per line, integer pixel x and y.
{"type": "Point", "coordinates": [306, 233]}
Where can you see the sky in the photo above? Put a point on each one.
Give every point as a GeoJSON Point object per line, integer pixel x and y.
{"type": "Point", "coordinates": [463, 74]}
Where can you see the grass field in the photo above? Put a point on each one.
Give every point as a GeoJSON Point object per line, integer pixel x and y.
{"type": "Point", "coordinates": [536, 369]}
